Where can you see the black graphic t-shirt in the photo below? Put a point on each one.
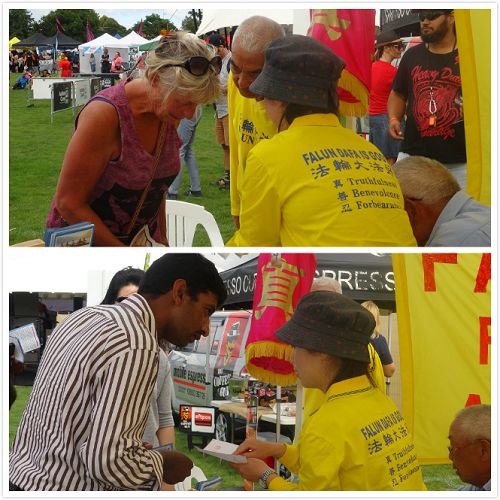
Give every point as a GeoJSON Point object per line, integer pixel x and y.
{"type": "Point", "coordinates": [435, 123]}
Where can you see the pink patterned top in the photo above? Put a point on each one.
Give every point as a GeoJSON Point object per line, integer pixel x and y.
{"type": "Point", "coordinates": [119, 189]}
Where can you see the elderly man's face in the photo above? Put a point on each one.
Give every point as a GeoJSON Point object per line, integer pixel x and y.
{"type": "Point", "coordinates": [471, 459]}
{"type": "Point", "coordinates": [422, 220]}
{"type": "Point", "coordinates": [245, 68]}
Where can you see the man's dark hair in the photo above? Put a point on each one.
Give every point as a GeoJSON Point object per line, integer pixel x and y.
{"type": "Point", "coordinates": [124, 277]}
{"type": "Point", "coordinates": [200, 274]}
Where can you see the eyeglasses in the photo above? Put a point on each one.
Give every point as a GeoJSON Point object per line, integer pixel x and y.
{"type": "Point", "coordinates": [430, 15]}
{"type": "Point", "coordinates": [198, 65]}
{"type": "Point", "coordinates": [453, 449]}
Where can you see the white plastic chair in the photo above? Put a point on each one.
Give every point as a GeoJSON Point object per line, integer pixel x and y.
{"type": "Point", "coordinates": [187, 484]}
{"type": "Point", "coordinates": [182, 220]}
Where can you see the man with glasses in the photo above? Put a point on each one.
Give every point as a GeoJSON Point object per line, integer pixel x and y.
{"type": "Point", "coordinates": [427, 88]}
{"type": "Point", "coordinates": [248, 121]}
{"type": "Point", "coordinates": [470, 447]}
{"type": "Point", "coordinates": [83, 426]}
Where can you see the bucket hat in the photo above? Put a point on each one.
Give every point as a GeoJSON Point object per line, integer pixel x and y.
{"type": "Point", "coordinates": [299, 70]}
{"type": "Point", "coordinates": [330, 323]}
{"type": "Point", "coordinates": [386, 37]}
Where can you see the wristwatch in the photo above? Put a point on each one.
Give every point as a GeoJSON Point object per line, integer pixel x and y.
{"type": "Point", "coordinates": [265, 476]}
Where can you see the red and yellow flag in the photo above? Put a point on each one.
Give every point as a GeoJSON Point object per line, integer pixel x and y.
{"type": "Point", "coordinates": [280, 283]}
{"type": "Point", "coordinates": [350, 33]}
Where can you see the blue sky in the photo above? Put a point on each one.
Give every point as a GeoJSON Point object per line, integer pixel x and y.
{"type": "Point", "coordinates": [128, 17]}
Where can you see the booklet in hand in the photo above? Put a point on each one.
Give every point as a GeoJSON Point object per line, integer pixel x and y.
{"type": "Point", "coordinates": [224, 451]}
{"type": "Point", "coordinates": [76, 235]}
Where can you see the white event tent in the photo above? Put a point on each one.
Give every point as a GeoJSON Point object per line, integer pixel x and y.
{"type": "Point", "coordinates": [114, 45]}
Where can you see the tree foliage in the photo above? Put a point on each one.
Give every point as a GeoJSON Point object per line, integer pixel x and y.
{"type": "Point", "coordinates": [188, 23]}
{"type": "Point", "coordinates": [109, 25]}
{"type": "Point", "coordinates": [20, 23]}
{"type": "Point", "coordinates": [73, 21]}
{"type": "Point", "coordinates": [153, 24]}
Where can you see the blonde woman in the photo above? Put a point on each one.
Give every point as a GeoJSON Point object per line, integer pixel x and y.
{"type": "Point", "coordinates": [124, 152]}
{"type": "Point", "coordinates": [378, 341]}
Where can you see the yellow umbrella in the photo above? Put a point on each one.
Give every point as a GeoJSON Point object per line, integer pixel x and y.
{"type": "Point", "coordinates": [12, 41]}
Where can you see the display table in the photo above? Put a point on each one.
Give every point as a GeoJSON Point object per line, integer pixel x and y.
{"type": "Point", "coordinates": [240, 409]}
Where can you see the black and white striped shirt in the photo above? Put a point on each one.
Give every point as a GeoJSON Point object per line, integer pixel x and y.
{"type": "Point", "coordinates": [83, 424]}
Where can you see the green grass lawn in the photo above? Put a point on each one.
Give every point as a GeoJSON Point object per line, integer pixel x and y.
{"type": "Point", "coordinates": [436, 477]}
{"type": "Point", "coordinates": [36, 152]}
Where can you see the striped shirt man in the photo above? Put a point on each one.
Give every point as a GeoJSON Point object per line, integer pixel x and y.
{"type": "Point", "coordinates": [83, 424]}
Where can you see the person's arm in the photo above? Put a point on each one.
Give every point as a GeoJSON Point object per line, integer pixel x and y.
{"type": "Point", "coordinates": [95, 142]}
{"type": "Point", "coordinates": [260, 215]}
{"type": "Point", "coordinates": [389, 370]}
{"type": "Point", "coordinates": [382, 348]}
{"type": "Point", "coordinates": [257, 448]}
{"type": "Point", "coordinates": [233, 152]}
{"type": "Point", "coordinates": [396, 106]}
{"type": "Point", "coordinates": [165, 433]}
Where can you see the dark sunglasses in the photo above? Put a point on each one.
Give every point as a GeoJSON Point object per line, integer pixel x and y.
{"type": "Point", "coordinates": [198, 65]}
{"type": "Point", "coordinates": [431, 15]}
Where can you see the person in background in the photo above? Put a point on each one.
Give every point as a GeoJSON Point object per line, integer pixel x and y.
{"type": "Point", "coordinates": [116, 65]}
{"type": "Point", "coordinates": [427, 90]}
{"type": "Point", "coordinates": [120, 183]}
{"type": "Point", "coordinates": [36, 62]}
{"type": "Point", "coordinates": [65, 66]}
{"type": "Point", "coordinates": [159, 429]}
{"type": "Point", "coordinates": [470, 447]}
{"type": "Point", "coordinates": [105, 62]}
{"type": "Point", "coordinates": [21, 81]}
{"type": "Point", "coordinates": [441, 214]}
{"type": "Point", "coordinates": [315, 183]}
{"type": "Point", "coordinates": [123, 284]}
{"type": "Point", "coordinates": [83, 424]}
{"type": "Point", "coordinates": [92, 63]}
{"type": "Point", "coordinates": [389, 47]}
{"type": "Point", "coordinates": [221, 108]}
{"type": "Point", "coordinates": [378, 341]}
{"type": "Point", "coordinates": [336, 449]}
{"type": "Point", "coordinates": [187, 133]}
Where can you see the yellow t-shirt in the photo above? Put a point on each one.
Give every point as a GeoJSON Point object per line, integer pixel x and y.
{"type": "Point", "coordinates": [356, 441]}
{"type": "Point", "coordinates": [248, 124]}
{"type": "Point", "coordinates": [319, 184]}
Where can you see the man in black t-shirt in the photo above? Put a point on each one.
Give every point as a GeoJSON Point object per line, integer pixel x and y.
{"type": "Point", "coordinates": [427, 88]}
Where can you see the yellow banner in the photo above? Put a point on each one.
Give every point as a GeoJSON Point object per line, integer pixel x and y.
{"type": "Point", "coordinates": [443, 303]}
{"type": "Point", "coordinates": [474, 48]}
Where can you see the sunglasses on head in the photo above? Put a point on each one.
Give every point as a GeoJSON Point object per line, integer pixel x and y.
{"type": "Point", "coordinates": [430, 15]}
{"type": "Point", "coordinates": [198, 65]}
